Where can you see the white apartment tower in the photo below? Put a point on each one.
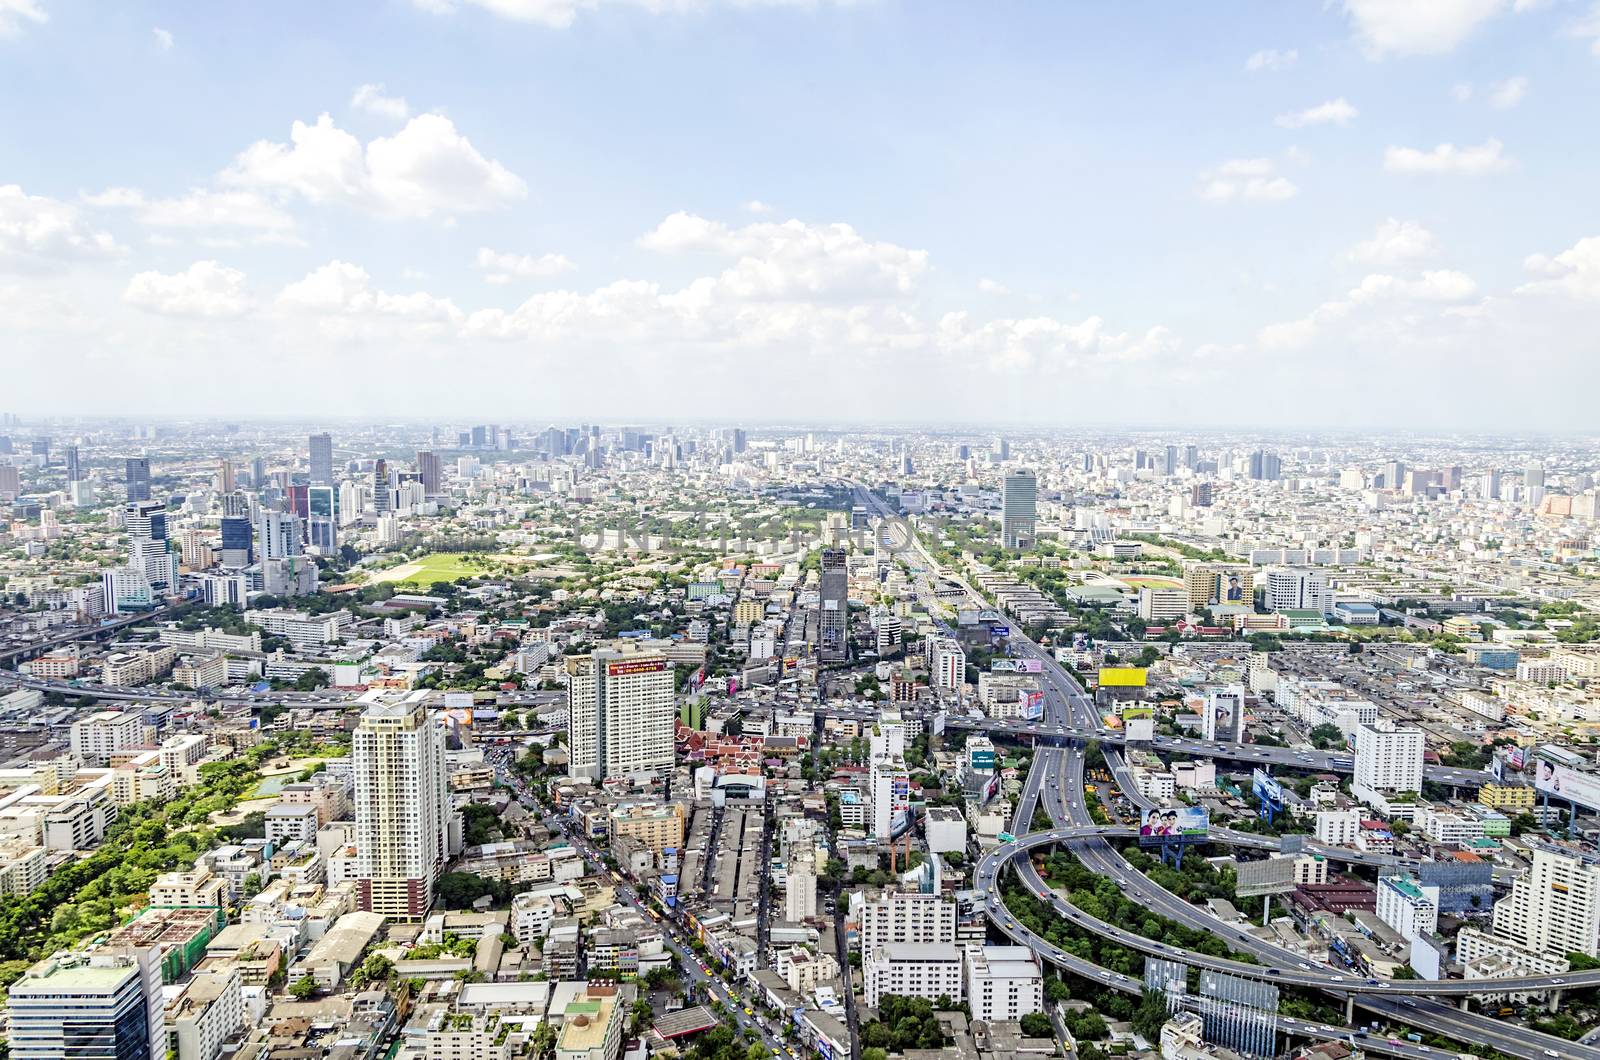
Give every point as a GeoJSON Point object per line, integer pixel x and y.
{"type": "Point", "coordinates": [620, 714]}
{"type": "Point", "coordinates": [1554, 907]}
{"type": "Point", "coordinates": [1388, 760]}
{"type": "Point", "coordinates": [906, 916]}
{"type": "Point", "coordinates": [405, 825]}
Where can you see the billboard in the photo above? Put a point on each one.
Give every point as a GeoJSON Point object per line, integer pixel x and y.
{"type": "Point", "coordinates": [629, 667]}
{"type": "Point", "coordinates": [1174, 822]}
{"type": "Point", "coordinates": [1566, 783]}
{"type": "Point", "coordinates": [1122, 677]}
{"type": "Point", "coordinates": [1032, 705]}
{"type": "Point", "coordinates": [1252, 879]}
{"type": "Point", "coordinates": [1016, 666]}
{"type": "Point", "coordinates": [1517, 758]}
{"type": "Point", "coordinates": [1140, 722]}
{"type": "Point", "coordinates": [1265, 786]}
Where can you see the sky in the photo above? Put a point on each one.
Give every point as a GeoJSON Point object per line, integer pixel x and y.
{"type": "Point", "coordinates": [1351, 213]}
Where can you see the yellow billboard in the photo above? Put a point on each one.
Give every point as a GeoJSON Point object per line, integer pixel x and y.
{"type": "Point", "coordinates": [1122, 676]}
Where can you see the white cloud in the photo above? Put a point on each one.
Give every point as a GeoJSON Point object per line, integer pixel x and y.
{"type": "Point", "coordinates": [756, 206]}
{"type": "Point", "coordinates": [13, 13]}
{"type": "Point", "coordinates": [1395, 242]}
{"type": "Point", "coordinates": [204, 289]}
{"type": "Point", "coordinates": [1574, 272]}
{"type": "Point", "coordinates": [502, 268]}
{"type": "Point", "coordinates": [339, 288]}
{"type": "Point", "coordinates": [1448, 159]}
{"type": "Point", "coordinates": [1586, 27]}
{"type": "Point", "coordinates": [35, 230]}
{"type": "Point", "coordinates": [559, 14]}
{"type": "Point", "coordinates": [163, 38]}
{"type": "Point", "coordinates": [426, 168]}
{"type": "Point", "coordinates": [1503, 95]}
{"type": "Point", "coordinates": [370, 98]}
{"type": "Point", "coordinates": [1419, 27]}
{"type": "Point", "coordinates": [793, 259]}
{"type": "Point", "coordinates": [1043, 344]}
{"type": "Point", "coordinates": [1461, 92]}
{"type": "Point", "coordinates": [1246, 180]}
{"type": "Point", "coordinates": [201, 208]}
{"type": "Point", "coordinates": [1271, 60]}
{"type": "Point", "coordinates": [1370, 297]}
{"type": "Point", "coordinates": [988, 286]}
{"type": "Point", "coordinates": [1333, 112]}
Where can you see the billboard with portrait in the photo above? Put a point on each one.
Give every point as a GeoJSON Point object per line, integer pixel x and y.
{"type": "Point", "coordinates": [1566, 783]}
{"type": "Point", "coordinates": [1265, 786]}
{"type": "Point", "coordinates": [1164, 824]}
{"type": "Point", "coordinates": [1032, 706]}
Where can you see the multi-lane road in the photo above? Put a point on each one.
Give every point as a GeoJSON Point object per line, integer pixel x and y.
{"type": "Point", "coordinates": [1056, 781]}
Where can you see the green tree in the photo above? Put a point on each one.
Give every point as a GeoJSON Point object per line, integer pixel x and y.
{"type": "Point", "coordinates": [1037, 1025]}
{"type": "Point", "coordinates": [303, 988]}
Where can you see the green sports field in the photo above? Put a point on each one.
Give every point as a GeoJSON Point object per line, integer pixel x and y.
{"type": "Point", "coordinates": [438, 567]}
{"type": "Point", "coordinates": [1148, 581]}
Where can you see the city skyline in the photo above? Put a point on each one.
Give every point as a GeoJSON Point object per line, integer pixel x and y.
{"type": "Point", "coordinates": [821, 210]}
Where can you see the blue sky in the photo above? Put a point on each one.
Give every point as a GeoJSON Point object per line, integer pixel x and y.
{"type": "Point", "coordinates": [1277, 214]}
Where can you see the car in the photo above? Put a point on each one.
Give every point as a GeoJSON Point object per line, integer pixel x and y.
{"type": "Point", "coordinates": [1273, 971]}
{"type": "Point", "coordinates": [1408, 1003]}
{"type": "Point", "coordinates": [1338, 978]}
{"type": "Point", "coordinates": [1372, 982]}
{"type": "Point", "coordinates": [748, 1011]}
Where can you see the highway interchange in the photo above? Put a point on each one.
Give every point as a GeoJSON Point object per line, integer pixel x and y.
{"type": "Point", "coordinates": [1056, 781]}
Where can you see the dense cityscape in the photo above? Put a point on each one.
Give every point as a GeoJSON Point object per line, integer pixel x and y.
{"type": "Point", "coordinates": [602, 741]}
{"type": "Point", "coordinates": [799, 530]}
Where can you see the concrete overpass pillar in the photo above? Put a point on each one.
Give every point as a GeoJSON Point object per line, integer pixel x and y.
{"type": "Point", "coordinates": [1349, 1010]}
{"type": "Point", "coordinates": [1464, 1000]}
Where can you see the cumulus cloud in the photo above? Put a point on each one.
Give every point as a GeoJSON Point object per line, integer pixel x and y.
{"type": "Point", "coordinates": [1333, 112]}
{"type": "Point", "coordinates": [988, 286]}
{"type": "Point", "coordinates": [1488, 157]}
{"type": "Point", "coordinates": [15, 13]}
{"type": "Point", "coordinates": [559, 14]}
{"type": "Point", "coordinates": [163, 38]}
{"type": "Point", "coordinates": [340, 288]}
{"type": "Point", "coordinates": [1395, 242]}
{"type": "Point", "coordinates": [792, 259]}
{"type": "Point", "coordinates": [1503, 95]}
{"type": "Point", "coordinates": [1420, 27]}
{"type": "Point", "coordinates": [1246, 180]}
{"type": "Point", "coordinates": [1371, 295]}
{"type": "Point", "coordinates": [756, 206]}
{"type": "Point", "coordinates": [204, 289]}
{"type": "Point", "coordinates": [1586, 27]}
{"type": "Point", "coordinates": [426, 168]}
{"type": "Point", "coordinates": [201, 208]}
{"type": "Point", "coordinates": [370, 98]}
{"type": "Point", "coordinates": [1271, 60]}
{"type": "Point", "coordinates": [38, 231]}
{"type": "Point", "coordinates": [502, 268]}
{"type": "Point", "coordinates": [1574, 272]}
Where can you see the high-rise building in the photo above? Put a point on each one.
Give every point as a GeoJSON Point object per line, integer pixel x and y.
{"type": "Point", "coordinates": [834, 606]}
{"type": "Point", "coordinates": [620, 713]}
{"type": "Point", "coordinates": [800, 890]}
{"type": "Point", "coordinates": [322, 520]}
{"type": "Point", "coordinates": [1169, 461]}
{"type": "Point", "coordinates": [1000, 449]}
{"type": "Point", "coordinates": [429, 472]}
{"type": "Point", "coordinates": [99, 1005]}
{"type": "Point", "coordinates": [1018, 509]}
{"type": "Point", "coordinates": [891, 796]}
{"type": "Point", "coordinates": [906, 917]}
{"type": "Point", "coordinates": [278, 534]}
{"type": "Point", "coordinates": [1265, 466]}
{"type": "Point", "coordinates": [149, 550]}
{"type": "Point", "coordinates": [320, 457]}
{"type": "Point", "coordinates": [74, 468]}
{"type": "Point", "coordinates": [1554, 907]}
{"type": "Point", "coordinates": [1388, 760]}
{"type": "Point", "coordinates": [136, 474]}
{"type": "Point", "coordinates": [405, 826]}
{"type": "Point", "coordinates": [238, 542]}
{"type": "Point", "coordinates": [1298, 589]}
{"type": "Point", "coordinates": [382, 495]}
{"type": "Point", "coordinates": [1003, 982]}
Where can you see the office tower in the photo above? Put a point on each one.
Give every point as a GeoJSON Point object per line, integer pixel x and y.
{"type": "Point", "coordinates": [6, 448]}
{"type": "Point", "coordinates": [1298, 589]}
{"type": "Point", "coordinates": [10, 480]}
{"type": "Point", "coordinates": [429, 472]}
{"type": "Point", "coordinates": [1200, 495]}
{"type": "Point", "coordinates": [620, 714]}
{"type": "Point", "coordinates": [258, 472]}
{"type": "Point", "coordinates": [1554, 907]}
{"type": "Point", "coordinates": [322, 519]}
{"type": "Point", "coordinates": [1533, 477]}
{"type": "Point", "coordinates": [834, 607]}
{"type": "Point", "coordinates": [405, 827]}
{"type": "Point", "coordinates": [1191, 456]}
{"type": "Point", "coordinates": [1394, 473]}
{"type": "Point", "coordinates": [1388, 760]}
{"type": "Point", "coordinates": [1169, 461]}
{"type": "Point", "coordinates": [1491, 484]}
{"type": "Point", "coordinates": [1018, 507]}
{"type": "Point", "coordinates": [1200, 585]}
{"type": "Point", "coordinates": [41, 447]}
{"type": "Point", "coordinates": [225, 483]}
{"type": "Point", "coordinates": [149, 551]}
{"type": "Point", "coordinates": [238, 544]}
{"type": "Point", "coordinates": [1265, 466]}
{"type": "Point", "coordinates": [1001, 449]}
{"type": "Point", "coordinates": [480, 437]}
{"type": "Point", "coordinates": [74, 468]}
{"type": "Point", "coordinates": [320, 457]}
{"type": "Point", "coordinates": [382, 497]}
{"type": "Point", "coordinates": [136, 473]}
{"type": "Point", "coordinates": [99, 1005]}
{"type": "Point", "coordinates": [279, 534]}
{"type": "Point", "coordinates": [740, 442]}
